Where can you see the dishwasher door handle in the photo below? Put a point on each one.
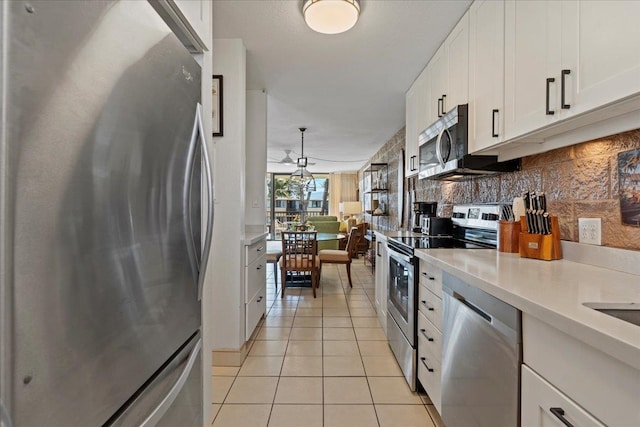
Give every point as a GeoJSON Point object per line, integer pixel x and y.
{"type": "Point", "coordinates": [473, 308]}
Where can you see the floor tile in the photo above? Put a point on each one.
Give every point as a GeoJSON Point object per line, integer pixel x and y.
{"type": "Point", "coordinates": [306, 334]}
{"type": "Point", "coordinates": [242, 416]}
{"type": "Point", "coordinates": [307, 322]}
{"type": "Point", "coordinates": [403, 415]}
{"type": "Point", "coordinates": [370, 334]}
{"type": "Point", "coordinates": [273, 334]}
{"type": "Point", "coordinates": [220, 388]}
{"type": "Point", "coordinates": [343, 366]}
{"type": "Point", "coordinates": [392, 390]}
{"type": "Point", "coordinates": [375, 348]}
{"type": "Point", "coordinates": [360, 304]}
{"type": "Point", "coordinates": [261, 366]}
{"type": "Point", "coordinates": [291, 416]}
{"type": "Point", "coordinates": [299, 390]}
{"type": "Point", "coordinates": [225, 371]}
{"type": "Point", "coordinates": [337, 322]}
{"type": "Point", "coordinates": [304, 348]}
{"type": "Point", "coordinates": [286, 312]}
{"type": "Point", "coordinates": [362, 312]}
{"type": "Point", "coordinates": [338, 334]}
{"type": "Point", "coordinates": [350, 416]}
{"type": "Point", "coordinates": [278, 321]}
{"type": "Point", "coordinates": [381, 366]}
{"type": "Point", "coordinates": [252, 390]}
{"type": "Point", "coordinates": [335, 312]}
{"type": "Point", "coordinates": [268, 348]}
{"type": "Point", "coordinates": [215, 408]}
{"type": "Point", "coordinates": [302, 366]}
{"type": "Point", "coordinates": [365, 322]}
{"type": "Point", "coordinates": [346, 390]}
{"type": "Point", "coordinates": [340, 348]}
{"type": "Point", "coordinates": [305, 312]}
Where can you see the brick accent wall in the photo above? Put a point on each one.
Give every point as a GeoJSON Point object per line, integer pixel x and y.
{"type": "Point", "coordinates": [580, 181]}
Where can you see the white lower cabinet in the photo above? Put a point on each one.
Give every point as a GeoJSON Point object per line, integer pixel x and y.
{"type": "Point", "coordinates": [255, 284]}
{"type": "Point", "coordinates": [382, 261]}
{"type": "Point", "coordinates": [543, 405]}
{"type": "Point", "coordinates": [430, 334]}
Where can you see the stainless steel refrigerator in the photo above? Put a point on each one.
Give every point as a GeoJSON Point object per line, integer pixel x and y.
{"type": "Point", "coordinates": [102, 252]}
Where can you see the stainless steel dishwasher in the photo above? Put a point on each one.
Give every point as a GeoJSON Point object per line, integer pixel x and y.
{"type": "Point", "coordinates": [481, 357]}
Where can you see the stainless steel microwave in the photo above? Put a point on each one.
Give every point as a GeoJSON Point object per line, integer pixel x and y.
{"type": "Point", "coordinates": [444, 150]}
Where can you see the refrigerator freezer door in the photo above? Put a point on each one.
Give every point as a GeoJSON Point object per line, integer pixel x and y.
{"type": "Point", "coordinates": [101, 98]}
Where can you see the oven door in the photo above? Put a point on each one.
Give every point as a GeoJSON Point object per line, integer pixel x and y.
{"type": "Point", "coordinates": [401, 293]}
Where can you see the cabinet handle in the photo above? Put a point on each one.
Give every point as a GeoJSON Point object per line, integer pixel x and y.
{"type": "Point", "coordinates": [444, 108]}
{"type": "Point", "coordinates": [259, 267]}
{"type": "Point", "coordinates": [559, 413]}
{"type": "Point", "coordinates": [424, 332]}
{"type": "Point", "coordinates": [428, 277]}
{"type": "Point", "coordinates": [549, 81]}
{"type": "Point", "coordinates": [563, 89]}
{"type": "Point", "coordinates": [424, 362]}
{"type": "Point", "coordinates": [439, 107]}
{"type": "Point", "coordinates": [259, 299]}
{"type": "Point", "coordinates": [429, 307]}
{"type": "Point", "coordinates": [260, 249]}
{"type": "Point", "coordinates": [493, 123]}
{"type": "Point", "coordinates": [413, 163]}
{"type": "Point", "coordinates": [378, 249]}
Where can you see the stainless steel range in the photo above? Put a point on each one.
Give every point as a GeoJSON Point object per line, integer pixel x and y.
{"type": "Point", "coordinates": [472, 227]}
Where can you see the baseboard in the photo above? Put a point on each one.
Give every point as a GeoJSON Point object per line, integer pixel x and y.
{"type": "Point", "coordinates": [230, 357]}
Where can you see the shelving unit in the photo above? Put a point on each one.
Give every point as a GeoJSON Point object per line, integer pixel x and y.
{"type": "Point", "coordinates": [375, 191]}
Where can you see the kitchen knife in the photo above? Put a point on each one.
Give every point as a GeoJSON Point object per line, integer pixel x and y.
{"type": "Point", "coordinates": [534, 212]}
{"type": "Point", "coordinates": [546, 223]}
{"type": "Point", "coordinates": [543, 202]}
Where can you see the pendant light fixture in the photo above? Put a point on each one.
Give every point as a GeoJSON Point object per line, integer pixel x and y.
{"type": "Point", "coordinates": [331, 16]}
{"type": "Point", "coordinates": [302, 177]}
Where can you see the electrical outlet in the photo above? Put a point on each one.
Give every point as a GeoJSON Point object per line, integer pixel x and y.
{"type": "Point", "coordinates": [590, 231]}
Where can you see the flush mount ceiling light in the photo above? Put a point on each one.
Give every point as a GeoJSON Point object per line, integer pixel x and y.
{"type": "Point", "coordinates": [302, 176]}
{"type": "Point", "coordinates": [331, 16]}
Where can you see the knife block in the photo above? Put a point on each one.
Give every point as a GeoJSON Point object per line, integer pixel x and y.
{"type": "Point", "coordinates": [541, 246]}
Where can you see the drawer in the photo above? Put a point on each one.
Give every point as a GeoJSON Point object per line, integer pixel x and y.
{"type": "Point", "coordinates": [429, 376]}
{"type": "Point", "coordinates": [254, 310]}
{"type": "Point", "coordinates": [543, 404]}
{"type": "Point", "coordinates": [429, 339]}
{"type": "Point", "coordinates": [431, 277]}
{"type": "Point", "coordinates": [255, 251]}
{"type": "Point", "coordinates": [255, 277]}
{"type": "Point", "coordinates": [431, 306]}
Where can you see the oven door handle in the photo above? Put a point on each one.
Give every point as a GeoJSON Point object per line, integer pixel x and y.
{"type": "Point", "coordinates": [439, 145]}
{"type": "Point", "coordinates": [398, 255]}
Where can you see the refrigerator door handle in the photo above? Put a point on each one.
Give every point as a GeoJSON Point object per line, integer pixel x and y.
{"type": "Point", "coordinates": [166, 402]}
{"type": "Point", "coordinates": [186, 200]}
{"type": "Point", "coordinates": [210, 199]}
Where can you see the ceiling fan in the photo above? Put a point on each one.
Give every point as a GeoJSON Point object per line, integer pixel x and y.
{"type": "Point", "coordinates": [287, 160]}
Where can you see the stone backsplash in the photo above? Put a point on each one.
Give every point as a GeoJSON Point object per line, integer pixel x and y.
{"type": "Point", "coordinates": [580, 181]}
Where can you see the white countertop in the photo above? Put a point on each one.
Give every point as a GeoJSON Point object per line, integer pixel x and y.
{"type": "Point", "coordinates": [552, 291]}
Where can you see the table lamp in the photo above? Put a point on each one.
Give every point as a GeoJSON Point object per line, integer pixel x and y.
{"type": "Point", "coordinates": [350, 210]}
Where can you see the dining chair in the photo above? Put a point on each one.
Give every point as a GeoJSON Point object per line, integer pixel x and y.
{"type": "Point", "coordinates": [336, 256]}
{"type": "Point", "coordinates": [300, 254]}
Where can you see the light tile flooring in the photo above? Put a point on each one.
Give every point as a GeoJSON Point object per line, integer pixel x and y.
{"type": "Point", "coordinates": [320, 362]}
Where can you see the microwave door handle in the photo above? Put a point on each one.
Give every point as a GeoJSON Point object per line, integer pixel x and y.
{"type": "Point", "coordinates": [439, 145]}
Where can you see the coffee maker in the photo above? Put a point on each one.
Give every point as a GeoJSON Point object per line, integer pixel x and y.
{"type": "Point", "coordinates": [422, 210]}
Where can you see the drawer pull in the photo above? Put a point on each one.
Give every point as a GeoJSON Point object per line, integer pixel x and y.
{"type": "Point", "coordinates": [424, 362]}
{"type": "Point", "coordinates": [428, 277]}
{"type": "Point", "coordinates": [259, 299]}
{"type": "Point", "coordinates": [260, 249]}
{"type": "Point", "coordinates": [429, 307]}
{"type": "Point", "coordinates": [259, 267]}
{"type": "Point", "coordinates": [559, 413]}
{"type": "Point", "coordinates": [424, 333]}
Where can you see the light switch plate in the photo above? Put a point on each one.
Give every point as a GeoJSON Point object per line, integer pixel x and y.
{"type": "Point", "coordinates": [590, 231]}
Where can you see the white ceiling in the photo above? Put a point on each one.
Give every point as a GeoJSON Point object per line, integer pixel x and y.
{"type": "Point", "coordinates": [347, 89]}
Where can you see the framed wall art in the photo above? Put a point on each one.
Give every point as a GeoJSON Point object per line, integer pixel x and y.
{"type": "Point", "coordinates": [217, 106]}
{"type": "Point", "coordinates": [629, 180]}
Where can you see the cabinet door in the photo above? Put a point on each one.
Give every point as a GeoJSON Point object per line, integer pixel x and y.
{"type": "Point", "coordinates": [486, 74]}
{"type": "Point", "coordinates": [381, 282]}
{"type": "Point", "coordinates": [545, 406]}
{"type": "Point", "coordinates": [437, 69]}
{"type": "Point", "coordinates": [532, 55]}
{"type": "Point", "coordinates": [197, 13]}
{"type": "Point", "coordinates": [457, 49]}
{"type": "Point", "coordinates": [424, 107]}
{"type": "Point", "coordinates": [411, 133]}
{"type": "Point", "coordinates": [600, 48]}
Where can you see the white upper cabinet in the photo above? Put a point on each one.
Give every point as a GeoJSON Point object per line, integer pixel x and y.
{"type": "Point", "coordinates": [486, 74]}
{"type": "Point", "coordinates": [437, 81]}
{"type": "Point", "coordinates": [600, 49]}
{"type": "Point", "coordinates": [457, 49]}
{"type": "Point", "coordinates": [190, 20]}
{"type": "Point", "coordinates": [411, 133]}
{"type": "Point", "coordinates": [424, 106]}
{"type": "Point", "coordinates": [532, 64]}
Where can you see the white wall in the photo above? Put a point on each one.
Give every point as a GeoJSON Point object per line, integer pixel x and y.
{"type": "Point", "coordinates": [226, 305]}
{"type": "Point", "coordinates": [256, 158]}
